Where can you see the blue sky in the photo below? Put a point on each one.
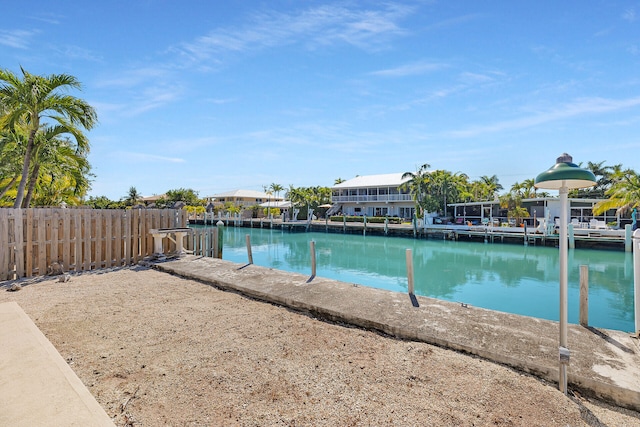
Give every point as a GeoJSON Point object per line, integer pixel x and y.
{"type": "Point", "coordinates": [221, 95]}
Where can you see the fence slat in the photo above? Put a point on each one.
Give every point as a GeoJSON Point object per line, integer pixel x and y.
{"type": "Point", "coordinates": [28, 224]}
{"type": "Point", "coordinates": [5, 268]}
{"type": "Point", "coordinates": [108, 244]}
{"type": "Point", "coordinates": [135, 235]}
{"type": "Point", "coordinates": [41, 221]}
{"type": "Point", "coordinates": [55, 230]}
{"type": "Point", "coordinates": [66, 238]}
{"type": "Point", "coordinates": [99, 240]}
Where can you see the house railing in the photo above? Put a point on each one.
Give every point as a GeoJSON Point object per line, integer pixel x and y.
{"type": "Point", "coordinates": [32, 240]}
{"type": "Point", "coordinates": [372, 198]}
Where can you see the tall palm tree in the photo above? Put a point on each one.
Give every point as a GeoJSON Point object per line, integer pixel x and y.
{"type": "Point", "coordinates": [52, 150]}
{"type": "Point", "coordinates": [529, 190]}
{"type": "Point", "coordinates": [276, 188]}
{"type": "Point", "coordinates": [417, 186]}
{"type": "Point", "coordinates": [444, 185]}
{"type": "Point", "coordinates": [33, 100]}
{"type": "Point", "coordinates": [488, 186]}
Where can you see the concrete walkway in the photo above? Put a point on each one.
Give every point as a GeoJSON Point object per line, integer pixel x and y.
{"type": "Point", "coordinates": [37, 386]}
{"type": "Point", "coordinates": [604, 364]}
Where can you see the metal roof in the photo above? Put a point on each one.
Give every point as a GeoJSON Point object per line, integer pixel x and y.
{"type": "Point", "coordinates": [383, 180]}
{"type": "Point", "coordinates": [248, 194]}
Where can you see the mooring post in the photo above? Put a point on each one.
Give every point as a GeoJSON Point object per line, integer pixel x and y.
{"type": "Point", "coordinates": [364, 229]}
{"type": "Point", "coordinates": [220, 228]}
{"type": "Point", "coordinates": [312, 246]}
{"type": "Point", "coordinates": [415, 226]}
{"type": "Point", "coordinates": [572, 238]}
{"type": "Point", "coordinates": [386, 225]}
{"type": "Point", "coordinates": [584, 295]}
{"type": "Point", "coordinates": [344, 224]}
{"type": "Point", "coordinates": [249, 254]}
{"type": "Point", "coordinates": [636, 279]}
{"type": "Point", "coordinates": [410, 285]}
{"type": "Point", "coordinates": [628, 232]}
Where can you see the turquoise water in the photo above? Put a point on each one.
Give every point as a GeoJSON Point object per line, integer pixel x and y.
{"type": "Point", "coordinates": [506, 277]}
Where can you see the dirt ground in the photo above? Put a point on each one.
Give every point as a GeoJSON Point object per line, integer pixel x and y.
{"type": "Point", "coordinates": [156, 349]}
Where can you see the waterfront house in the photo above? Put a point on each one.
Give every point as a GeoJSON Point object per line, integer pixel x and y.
{"type": "Point", "coordinates": [243, 198]}
{"type": "Point", "coordinates": [580, 212]}
{"type": "Point", "coordinates": [373, 195]}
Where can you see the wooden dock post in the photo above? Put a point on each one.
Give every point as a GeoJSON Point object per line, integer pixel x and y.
{"type": "Point", "coordinates": [312, 247]}
{"type": "Point", "coordinates": [249, 254]}
{"type": "Point", "coordinates": [584, 295]}
{"type": "Point", "coordinates": [572, 237]}
{"type": "Point", "coordinates": [220, 228]}
{"type": "Point", "coordinates": [410, 284]}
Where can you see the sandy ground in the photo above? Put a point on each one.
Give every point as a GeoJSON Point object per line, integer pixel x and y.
{"type": "Point", "coordinates": [155, 350]}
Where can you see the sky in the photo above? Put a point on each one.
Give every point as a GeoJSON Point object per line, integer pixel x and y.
{"type": "Point", "coordinates": [220, 95]}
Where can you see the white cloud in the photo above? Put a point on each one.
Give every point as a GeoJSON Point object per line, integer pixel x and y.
{"type": "Point", "coordinates": [76, 52]}
{"type": "Point", "coordinates": [410, 69]}
{"type": "Point", "coordinates": [629, 15]}
{"type": "Point", "coordinates": [152, 98]}
{"type": "Point", "coordinates": [146, 157]}
{"type": "Point", "coordinates": [579, 107]}
{"type": "Point", "coordinates": [133, 77]}
{"type": "Point", "coordinates": [18, 39]}
{"type": "Point", "coordinates": [322, 26]}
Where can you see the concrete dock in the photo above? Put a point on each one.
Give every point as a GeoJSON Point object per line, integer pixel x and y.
{"type": "Point", "coordinates": [604, 364]}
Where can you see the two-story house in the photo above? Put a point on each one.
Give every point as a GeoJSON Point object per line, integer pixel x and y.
{"type": "Point", "coordinates": [373, 195]}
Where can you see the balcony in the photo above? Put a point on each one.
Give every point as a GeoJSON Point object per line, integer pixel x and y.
{"type": "Point", "coordinates": [372, 198]}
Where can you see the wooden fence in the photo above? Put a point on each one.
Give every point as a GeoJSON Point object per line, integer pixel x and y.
{"type": "Point", "coordinates": [31, 240]}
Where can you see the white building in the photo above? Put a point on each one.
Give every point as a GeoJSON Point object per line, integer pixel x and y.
{"type": "Point", "coordinates": [373, 195]}
{"type": "Point", "coordinates": [243, 198]}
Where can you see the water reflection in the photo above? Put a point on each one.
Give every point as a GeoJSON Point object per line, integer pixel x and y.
{"type": "Point", "coordinates": [507, 277]}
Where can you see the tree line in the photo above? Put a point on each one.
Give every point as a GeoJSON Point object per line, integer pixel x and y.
{"type": "Point", "coordinates": [434, 190]}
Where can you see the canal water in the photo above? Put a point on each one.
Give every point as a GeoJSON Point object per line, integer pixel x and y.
{"type": "Point", "coordinates": [506, 277]}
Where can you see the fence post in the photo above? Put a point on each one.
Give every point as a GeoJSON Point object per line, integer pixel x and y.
{"type": "Point", "coordinates": [220, 226]}
{"type": "Point", "coordinates": [584, 295]}
{"type": "Point", "coordinates": [312, 246]}
{"type": "Point", "coordinates": [410, 271]}
{"type": "Point", "coordinates": [249, 254]}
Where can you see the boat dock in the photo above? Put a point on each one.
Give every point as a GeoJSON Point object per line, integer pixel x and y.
{"type": "Point", "coordinates": [578, 237]}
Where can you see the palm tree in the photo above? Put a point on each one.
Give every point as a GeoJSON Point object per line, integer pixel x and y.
{"type": "Point", "coordinates": [12, 143]}
{"type": "Point", "coordinates": [445, 185]}
{"type": "Point", "coordinates": [490, 186]}
{"type": "Point", "coordinates": [276, 188]}
{"type": "Point", "coordinates": [52, 151]}
{"type": "Point", "coordinates": [624, 193]}
{"type": "Point", "coordinates": [417, 186]}
{"type": "Point", "coordinates": [529, 190]}
{"type": "Point", "coordinates": [132, 197]}
{"type": "Point", "coordinates": [32, 100]}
